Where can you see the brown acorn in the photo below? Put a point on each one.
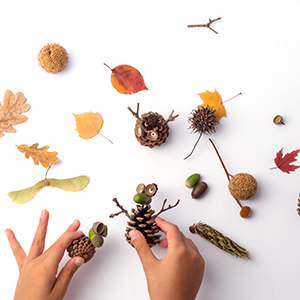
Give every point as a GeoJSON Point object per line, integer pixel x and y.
{"type": "Point", "coordinates": [151, 129]}
{"type": "Point", "coordinates": [242, 186]}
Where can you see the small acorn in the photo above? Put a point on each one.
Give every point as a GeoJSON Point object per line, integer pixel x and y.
{"type": "Point", "coordinates": [142, 198]}
{"type": "Point", "coordinates": [242, 186]}
{"type": "Point", "coordinates": [96, 234]}
{"type": "Point", "coordinates": [192, 180]}
{"type": "Point", "coordinates": [199, 189]}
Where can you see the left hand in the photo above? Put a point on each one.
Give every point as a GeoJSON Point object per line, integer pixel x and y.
{"type": "Point", "coordinates": [37, 278]}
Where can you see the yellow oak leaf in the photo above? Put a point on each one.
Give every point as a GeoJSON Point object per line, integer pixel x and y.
{"type": "Point", "coordinates": [214, 101]}
{"type": "Point", "coordinates": [39, 154]}
{"type": "Point", "coordinates": [11, 110]}
{"type": "Point", "coordinates": [89, 124]}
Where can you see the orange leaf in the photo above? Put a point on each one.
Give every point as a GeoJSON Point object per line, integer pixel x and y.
{"type": "Point", "coordinates": [11, 110]}
{"type": "Point", "coordinates": [39, 154]}
{"type": "Point", "coordinates": [89, 124]}
{"type": "Point", "coordinates": [214, 101]}
{"type": "Point", "coordinates": [127, 80]}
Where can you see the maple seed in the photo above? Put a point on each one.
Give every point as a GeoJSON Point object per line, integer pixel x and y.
{"type": "Point", "coordinates": [278, 120]}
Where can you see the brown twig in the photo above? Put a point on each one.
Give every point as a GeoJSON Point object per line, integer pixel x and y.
{"type": "Point", "coordinates": [207, 25]}
{"type": "Point", "coordinates": [136, 114]}
{"type": "Point", "coordinates": [171, 117]}
{"type": "Point", "coordinates": [165, 209]}
{"type": "Point", "coordinates": [120, 212]}
{"type": "Point", "coordinates": [194, 146]}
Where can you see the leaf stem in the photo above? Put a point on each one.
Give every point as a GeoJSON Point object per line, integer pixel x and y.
{"type": "Point", "coordinates": [107, 66]}
{"type": "Point", "coordinates": [231, 98]}
{"type": "Point", "coordinates": [105, 137]}
{"type": "Point", "coordinates": [273, 168]}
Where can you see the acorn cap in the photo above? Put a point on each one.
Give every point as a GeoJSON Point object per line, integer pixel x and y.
{"type": "Point", "coordinates": [242, 186]}
{"type": "Point", "coordinates": [151, 189]}
{"type": "Point", "coordinates": [140, 188]}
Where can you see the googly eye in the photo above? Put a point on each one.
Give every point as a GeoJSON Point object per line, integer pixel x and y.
{"type": "Point", "coordinates": [151, 189]}
{"type": "Point", "coordinates": [152, 135]}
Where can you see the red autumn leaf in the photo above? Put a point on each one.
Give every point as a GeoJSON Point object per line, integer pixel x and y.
{"type": "Point", "coordinates": [284, 162]}
{"type": "Point", "coordinates": [127, 80]}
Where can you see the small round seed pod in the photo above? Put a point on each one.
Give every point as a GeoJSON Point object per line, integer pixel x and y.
{"type": "Point", "coordinates": [242, 186]}
{"type": "Point", "coordinates": [53, 58]}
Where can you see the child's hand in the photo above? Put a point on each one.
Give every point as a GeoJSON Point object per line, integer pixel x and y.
{"type": "Point", "coordinates": [38, 270]}
{"type": "Point", "coordinates": [178, 275]}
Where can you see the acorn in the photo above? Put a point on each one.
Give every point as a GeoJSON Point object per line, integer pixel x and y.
{"type": "Point", "coordinates": [242, 186]}
{"type": "Point", "coordinates": [278, 120]}
{"type": "Point", "coordinates": [199, 189]}
{"type": "Point", "coordinates": [192, 180]}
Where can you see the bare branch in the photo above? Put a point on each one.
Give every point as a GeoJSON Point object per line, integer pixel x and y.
{"type": "Point", "coordinates": [165, 209]}
{"type": "Point", "coordinates": [207, 25]}
{"type": "Point", "coordinates": [171, 117]}
{"type": "Point", "coordinates": [135, 114]}
{"type": "Point", "coordinates": [120, 212]}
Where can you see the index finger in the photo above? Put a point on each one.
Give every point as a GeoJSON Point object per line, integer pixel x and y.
{"type": "Point", "coordinates": [56, 251]}
{"type": "Point", "coordinates": [173, 234]}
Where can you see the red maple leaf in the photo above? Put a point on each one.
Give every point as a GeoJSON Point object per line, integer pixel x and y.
{"type": "Point", "coordinates": [284, 163]}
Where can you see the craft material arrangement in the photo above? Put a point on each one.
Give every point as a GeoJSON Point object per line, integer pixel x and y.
{"type": "Point", "coordinates": [182, 147]}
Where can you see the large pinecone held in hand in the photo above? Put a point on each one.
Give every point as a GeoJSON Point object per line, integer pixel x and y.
{"type": "Point", "coordinates": [141, 219]}
{"type": "Point", "coordinates": [155, 129]}
{"type": "Point", "coordinates": [82, 247]}
{"type": "Point", "coordinates": [203, 120]}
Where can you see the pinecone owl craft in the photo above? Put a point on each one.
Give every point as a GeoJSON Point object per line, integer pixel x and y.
{"type": "Point", "coordinates": [151, 129]}
{"type": "Point", "coordinates": [85, 246]}
{"type": "Point", "coordinates": [142, 218]}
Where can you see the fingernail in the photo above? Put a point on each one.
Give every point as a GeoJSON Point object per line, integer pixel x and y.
{"type": "Point", "coordinates": [6, 232]}
{"type": "Point", "coordinates": [79, 261]}
{"type": "Point", "coordinates": [132, 235]}
{"type": "Point", "coordinates": [75, 222]}
{"type": "Point", "coordinates": [43, 214]}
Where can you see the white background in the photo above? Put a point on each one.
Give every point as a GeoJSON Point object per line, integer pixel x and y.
{"type": "Point", "coordinates": [256, 52]}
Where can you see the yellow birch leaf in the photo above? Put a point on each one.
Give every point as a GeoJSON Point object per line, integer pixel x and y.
{"type": "Point", "coordinates": [39, 154]}
{"type": "Point", "coordinates": [89, 124]}
{"type": "Point", "coordinates": [214, 101]}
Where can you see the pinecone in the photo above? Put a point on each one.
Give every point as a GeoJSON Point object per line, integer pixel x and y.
{"type": "Point", "coordinates": [82, 247]}
{"type": "Point", "coordinates": [298, 209]}
{"type": "Point", "coordinates": [203, 120]}
{"type": "Point", "coordinates": [141, 219]}
{"type": "Point", "coordinates": [151, 129]}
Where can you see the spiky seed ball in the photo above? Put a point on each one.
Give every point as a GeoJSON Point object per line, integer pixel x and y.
{"type": "Point", "coordinates": [203, 120]}
{"type": "Point", "coordinates": [53, 58]}
{"type": "Point", "coordinates": [242, 186]}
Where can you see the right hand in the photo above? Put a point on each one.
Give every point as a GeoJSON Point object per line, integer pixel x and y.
{"type": "Point", "coordinates": [176, 276]}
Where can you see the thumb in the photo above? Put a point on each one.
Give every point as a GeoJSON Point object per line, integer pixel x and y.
{"type": "Point", "coordinates": [142, 248]}
{"type": "Point", "coordinates": [66, 274]}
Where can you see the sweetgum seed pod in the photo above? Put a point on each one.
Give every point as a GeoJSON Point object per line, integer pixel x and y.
{"type": "Point", "coordinates": [192, 180]}
{"type": "Point", "coordinates": [141, 198]}
{"type": "Point", "coordinates": [199, 189]}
